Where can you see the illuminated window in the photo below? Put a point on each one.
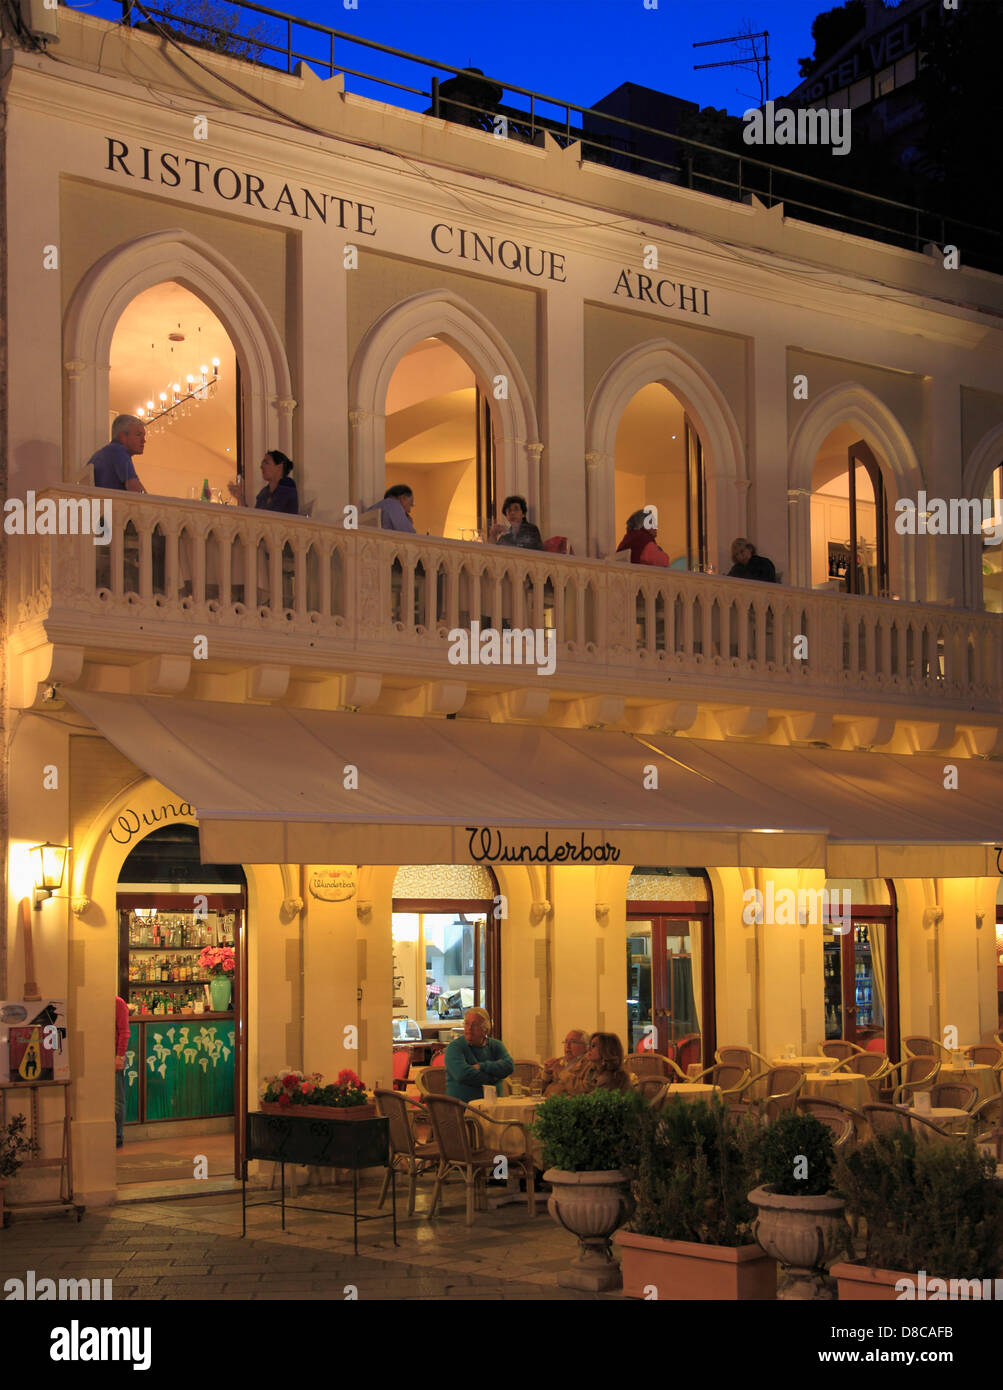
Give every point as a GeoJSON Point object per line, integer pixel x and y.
{"type": "Point", "coordinates": [884, 82]}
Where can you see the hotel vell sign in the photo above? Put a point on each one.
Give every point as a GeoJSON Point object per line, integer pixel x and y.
{"type": "Point", "coordinates": [335, 884]}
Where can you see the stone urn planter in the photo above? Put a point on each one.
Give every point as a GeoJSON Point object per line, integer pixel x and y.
{"type": "Point", "coordinates": [591, 1206]}
{"type": "Point", "coordinates": [803, 1234]}
{"type": "Point", "coordinates": [683, 1269]}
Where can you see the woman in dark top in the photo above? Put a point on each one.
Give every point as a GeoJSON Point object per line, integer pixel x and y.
{"type": "Point", "coordinates": [279, 493]}
{"type": "Point", "coordinates": [519, 531]}
{"type": "Point", "coordinates": [748, 565]}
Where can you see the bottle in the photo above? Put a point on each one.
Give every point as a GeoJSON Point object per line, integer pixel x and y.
{"type": "Point", "coordinates": [163, 970]}
{"type": "Point", "coordinates": [205, 489]}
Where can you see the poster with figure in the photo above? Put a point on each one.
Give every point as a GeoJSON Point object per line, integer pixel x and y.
{"type": "Point", "coordinates": [33, 1040]}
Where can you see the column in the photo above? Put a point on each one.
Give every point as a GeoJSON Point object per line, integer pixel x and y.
{"type": "Point", "coordinates": [321, 433]}
{"type": "Point", "coordinates": [330, 1002]}
{"type": "Point", "coordinates": [941, 569]}
{"type": "Point", "coordinates": [769, 394]}
{"type": "Point", "coordinates": [562, 417]}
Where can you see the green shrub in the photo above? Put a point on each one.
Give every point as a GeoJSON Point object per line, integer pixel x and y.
{"type": "Point", "coordinates": [797, 1144]}
{"type": "Point", "coordinates": [927, 1206]}
{"type": "Point", "coordinates": [14, 1147]}
{"type": "Point", "coordinates": [591, 1133]}
{"type": "Point", "coordinates": [695, 1170]}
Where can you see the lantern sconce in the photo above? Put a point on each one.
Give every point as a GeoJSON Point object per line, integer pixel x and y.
{"type": "Point", "coordinates": [49, 865]}
{"type": "Point", "coordinates": [602, 914]}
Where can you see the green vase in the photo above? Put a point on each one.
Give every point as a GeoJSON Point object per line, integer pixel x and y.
{"type": "Point", "coordinates": [219, 991]}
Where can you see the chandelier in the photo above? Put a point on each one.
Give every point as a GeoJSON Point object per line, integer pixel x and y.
{"type": "Point", "coordinates": [178, 402]}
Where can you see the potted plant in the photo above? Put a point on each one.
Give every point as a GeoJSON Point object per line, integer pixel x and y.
{"type": "Point", "coordinates": [292, 1093]}
{"type": "Point", "coordinates": [691, 1235]}
{"type": "Point", "coordinates": [14, 1149]}
{"type": "Point", "coordinates": [800, 1220]}
{"type": "Point", "coordinates": [933, 1213]}
{"type": "Point", "coordinates": [219, 962]}
{"type": "Point", "coordinates": [590, 1146]}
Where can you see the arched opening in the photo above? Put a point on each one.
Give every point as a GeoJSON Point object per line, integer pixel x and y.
{"type": "Point", "coordinates": [659, 463]}
{"type": "Point", "coordinates": [670, 964]}
{"type": "Point", "coordinates": [182, 972]}
{"type": "Point", "coordinates": [849, 516]}
{"type": "Point", "coordinates": [173, 365]}
{"type": "Point", "coordinates": [860, 964]}
{"type": "Point", "coordinates": [447, 954]}
{"type": "Point", "coordinates": [440, 442]}
{"type": "Point", "coordinates": [992, 548]}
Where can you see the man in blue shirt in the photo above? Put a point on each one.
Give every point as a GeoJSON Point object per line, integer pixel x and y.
{"type": "Point", "coordinates": [475, 1060]}
{"type": "Point", "coordinates": [396, 509]}
{"type": "Point", "coordinates": [113, 467]}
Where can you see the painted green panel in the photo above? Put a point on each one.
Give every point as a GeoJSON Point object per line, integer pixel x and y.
{"type": "Point", "coordinates": [189, 1069]}
{"type": "Point", "coordinates": [132, 1076]}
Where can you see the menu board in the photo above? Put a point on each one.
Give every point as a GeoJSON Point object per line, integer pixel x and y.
{"type": "Point", "coordinates": [33, 1040]}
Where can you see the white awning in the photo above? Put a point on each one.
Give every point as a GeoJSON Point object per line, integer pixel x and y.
{"type": "Point", "coordinates": [274, 784]}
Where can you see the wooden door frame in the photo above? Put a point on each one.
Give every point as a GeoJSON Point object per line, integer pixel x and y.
{"type": "Point", "coordinates": [702, 911]}
{"type": "Point", "coordinates": [888, 914]}
{"type": "Point", "coordinates": [492, 948]}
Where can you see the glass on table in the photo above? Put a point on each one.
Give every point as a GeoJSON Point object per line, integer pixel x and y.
{"type": "Point", "coordinates": [536, 1086]}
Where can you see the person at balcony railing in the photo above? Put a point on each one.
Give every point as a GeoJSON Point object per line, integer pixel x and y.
{"type": "Point", "coordinates": [395, 509]}
{"type": "Point", "coordinates": [519, 531]}
{"type": "Point", "coordinates": [112, 464]}
{"type": "Point", "coordinates": [640, 540]}
{"type": "Point", "coordinates": [746, 564]}
{"type": "Point", "coordinates": [279, 493]}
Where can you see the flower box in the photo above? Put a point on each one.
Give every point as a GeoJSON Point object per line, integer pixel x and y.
{"type": "Point", "coordinates": [682, 1269]}
{"type": "Point", "coordinates": [321, 1112]}
{"type": "Point", "coordinates": [859, 1283]}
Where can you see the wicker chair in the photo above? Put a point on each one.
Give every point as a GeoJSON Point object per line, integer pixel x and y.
{"type": "Point", "coordinates": [839, 1048]}
{"type": "Point", "coordinates": [779, 1085]}
{"type": "Point", "coordinates": [460, 1141]}
{"type": "Point", "coordinates": [731, 1080]}
{"type": "Point", "coordinates": [432, 1081]}
{"type": "Point", "coordinates": [689, 1049]}
{"type": "Point", "coordinates": [649, 1088]}
{"type": "Point", "coordinates": [874, 1065]}
{"type": "Point", "coordinates": [526, 1071]}
{"type": "Point", "coordinates": [406, 1153]}
{"type": "Point", "coordinates": [885, 1119]}
{"type": "Point", "coordinates": [985, 1123]}
{"type": "Point", "coordinates": [932, 1131]}
{"type": "Point", "coordinates": [825, 1109]}
{"type": "Point", "coordinates": [644, 1064]}
{"type": "Point", "coordinates": [919, 1046]}
{"type": "Point", "coordinates": [986, 1054]}
{"type": "Point", "coordinates": [841, 1127]}
{"type": "Point", "coordinates": [731, 1056]}
{"type": "Point", "coordinates": [916, 1074]}
{"type": "Point", "coordinates": [959, 1095]}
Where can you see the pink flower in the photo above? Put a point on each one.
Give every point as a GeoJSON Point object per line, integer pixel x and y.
{"type": "Point", "coordinates": [306, 1087]}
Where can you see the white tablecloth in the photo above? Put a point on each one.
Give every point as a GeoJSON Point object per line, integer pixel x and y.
{"type": "Point", "coordinates": [946, 1117]}
{"type": "Point", "coordinates": [986, 1080]}
{"type": "Point", "coordinates": [693, 1090]}
{"type": "Point", "coordinates": [503, 1111]}
{"type": "Point", "coordinates": [845, 1087]}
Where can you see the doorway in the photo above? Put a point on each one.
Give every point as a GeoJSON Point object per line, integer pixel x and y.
{"type": "Point", "coordinates": [670, 964]}
{"type": "Point", "coordinates": [861, 978]}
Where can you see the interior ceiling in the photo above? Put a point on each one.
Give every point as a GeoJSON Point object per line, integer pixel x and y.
{"type": "Point", "coordinates": [430, 407]}
{"type": "Point", "coordinates": [644, 442]}
{"type": "Point", "coordinates": [145, 362]}
{"type": "Point", "coordinates": [830, 474]}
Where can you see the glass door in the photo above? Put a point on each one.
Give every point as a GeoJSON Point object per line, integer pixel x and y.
{"type": "Point", "coordinates": [663, 981]}
{"type": "Point", "coordinates": [861, 980]}
{"type": "Point", "coordinates": [696, 492]}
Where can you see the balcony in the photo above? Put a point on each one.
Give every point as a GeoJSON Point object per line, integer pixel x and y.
{"type": "Point", "coordinates": [294, 609]}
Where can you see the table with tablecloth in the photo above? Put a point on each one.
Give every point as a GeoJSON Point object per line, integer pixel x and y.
{"type": "Point", "coordinates": [817, 1063]}
{"type": "Point", "coordinates": [948, 1118]}
{"type": "Point", "coordinates": [985, 1079]}
{"type": "Point", "coordinates": [506, 1110]}
{"type": "Point", "coordinates": [691, 1090]}
{"type": "Point", "coordinates": [845, 1087]}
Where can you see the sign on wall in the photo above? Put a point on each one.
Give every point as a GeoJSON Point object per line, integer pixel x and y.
{"type": "Point", "coordinates": [33, 1040]}
{"type": "Point", "coordinates": [334, 884]}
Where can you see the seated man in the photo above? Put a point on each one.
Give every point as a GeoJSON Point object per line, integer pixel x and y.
{"type": "Point", "coordinates": [112, 464]}
{"type": "Point", "coordinates": [576, 1045]}
{"type": "Point", "coordinates": [395, 509]}
{"type": "Point", "coordinates": [475, 1060]}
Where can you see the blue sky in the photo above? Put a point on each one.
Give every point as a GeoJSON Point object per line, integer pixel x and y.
{"type": "Point", "coordinates": [577, 50]}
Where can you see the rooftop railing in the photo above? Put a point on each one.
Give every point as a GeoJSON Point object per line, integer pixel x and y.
{"type": "Point", "coordinates": [280, 40]}
{"type": "Point", "coordinates": [320, 596]}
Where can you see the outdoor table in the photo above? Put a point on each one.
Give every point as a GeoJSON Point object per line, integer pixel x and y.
{"type": "Point", "coordinates": [806, 1064]}
{"type": "Point", "coordinates": [692, 1090]}
{"type": "Point", "coordinates": [985, 1079]}
{"type": "Point", "coordinates": [845, 1087]}
{"type": "Point", "coordinates": [316, 1141]}
{"type": "Point", "coordinates": [506, 1110]}
{"type": "Point", "coordinates": [949, 1118]}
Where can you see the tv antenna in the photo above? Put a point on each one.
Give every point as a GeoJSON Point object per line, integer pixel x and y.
{"type": "Point", "coordinates": [745, 61]}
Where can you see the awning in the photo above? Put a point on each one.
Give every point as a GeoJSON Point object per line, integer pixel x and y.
{"type": "Point", "coordinates": [273, 784]}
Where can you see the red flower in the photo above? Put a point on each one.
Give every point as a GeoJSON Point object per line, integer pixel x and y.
{"type": "Point", "coordinates": [306, 1087]}
{"type": "Point", "coordinates": [291, 1081]}
{"type": "Point", "coordinates": [284, 1099]}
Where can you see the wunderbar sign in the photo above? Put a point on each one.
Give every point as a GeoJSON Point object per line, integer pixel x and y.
{"type": "Point", "coordinates": [487, 846]}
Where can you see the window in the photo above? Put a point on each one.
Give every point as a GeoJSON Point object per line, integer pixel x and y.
{"type": "Point", "coordinates": [884, 82]}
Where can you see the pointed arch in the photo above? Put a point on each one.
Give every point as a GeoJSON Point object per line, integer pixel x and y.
{"type": "Point", "coordinates": [724, 455]}
{"type": "Point", "coordinates": [451, 318]}
{"type": "Point", "coordinates": [113, 282]}
{"type": "Point", "coordinates": [979, 467]}
{"type": "Point", "coordinates": [850, 403]}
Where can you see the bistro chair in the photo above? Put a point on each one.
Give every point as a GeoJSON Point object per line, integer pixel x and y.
{"type": "Point", "coordinates": [732, 1080]}
{"type": "Point", "coordinates": [958, 1095]}
{"type": "Point", "coordinates": [986, 1055]}
{"type": "Point", "coordinates": [919, 1046]}
{"type": "Point", "coordinates": [432, 1081]}
{"type": "Point", "coordinates": [460, 1140]}
{"type": "Point", "coordinates": [777, 1083]}
{"type": "Point", "coordinates": [999, 1037]}
{"type": "Point", "coordinates": [740, 1057]}
{"type": "Point", "coordinates": [985, 1124]}
{"type": "Point", "coordinates": [401, 1066]}
{"type": "Point", "coordinates": [839, 1048]}
{"type": "Point", "coordinates": [874, 1065]}
{"type": "Point", "coordinates": [407, 1154]}
{"type": "Point", "coordinates": [841, 1127]}
{"type": "Point", "coordinates": [644, 1064]}
{"type": "Point", "coordinates": [885, 1119]}
{"type": "Point", "coordinates": [526, 1071]}
{"type": "Point", "coordinates": [931, 1130]}
{"type": "Point", "coordinates": [916, 1074]}
{"type": "Point", "coordinates": [653, 1089]}
{"type": "Point", "coordinates": [689, 1049]}
{"type": "Point", "coordinates": [814, 1105]}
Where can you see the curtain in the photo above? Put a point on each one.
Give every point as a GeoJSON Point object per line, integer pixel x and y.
{"type": "Point", "coordinates": [696, 974]}
{"type": "Point", "coordinates": [876, 936]}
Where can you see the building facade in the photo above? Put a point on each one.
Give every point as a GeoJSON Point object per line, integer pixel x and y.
{"type": "Point", "coordinates": [390, 298]}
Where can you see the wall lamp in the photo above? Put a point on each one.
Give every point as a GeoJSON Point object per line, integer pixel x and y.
{"type": "Point", "coordinates": [48, 865]}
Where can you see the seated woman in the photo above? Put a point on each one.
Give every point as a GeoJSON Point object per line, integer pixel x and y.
{"type": "Point", "coordinates": [640, 541]}
{"type": "Point", "coordinates": [603, 1069]}
{"type": "Point", "coordinates": [279, 493]}
{"type": "Point", "coordinates": [520, 531]}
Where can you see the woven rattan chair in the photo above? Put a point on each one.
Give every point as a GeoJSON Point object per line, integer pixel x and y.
{"type": "Point", "coordinates": [740, 1056]}
{"type": "Point", "coordinates": [814, 1105]}
{"type": "Point", "coordinates": [650, 1087]}
{"type": "Point", "coordinates": [986, 1055]}
{"type": "Point", "coordinates": [959, 1095]}
{"type": "Point", "coordinates": [407, 1155]}
{"type": "Point", "coordinates": [781, 1085]}
{"type": "Point", "coordinates": [874, 1065]}
{"type": "Point", "coordinates": [732, 1080]}
{"type": "Point", "coordinates": [432, 1081]}
{"type": "Point", "coordinates": [839, 1048]}
{"type": "Point", "coordinates": [985, 1123]}
{"type": "Point", "coordinates": [644, 1064]}
{"type": "Point", "coordinates": [919, 1046]}
{"type": "Point", "coordinates": [885, 1119]}
{"type": "Point", "coordinates": [915, 1074]}
{"type": "Point", "coordinates": [526, 1071]}
{"type": "Point", "coordinates": [689, 1049]}
{"type": "Point", "coordinates": [462, 1149]}
{"type": "Point", "coordinates": [933, 1131]}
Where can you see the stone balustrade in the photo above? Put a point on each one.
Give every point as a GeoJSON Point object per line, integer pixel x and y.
{"type": "Point", "coordinates": [309, 593]}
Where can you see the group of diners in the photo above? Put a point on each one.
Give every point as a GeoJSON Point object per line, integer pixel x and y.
{"type": "Point", "coordinates": [590, 1062]}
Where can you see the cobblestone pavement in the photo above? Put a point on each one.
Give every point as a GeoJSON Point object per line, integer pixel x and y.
{"type": "Point", "coordinates": [191, 1249]}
